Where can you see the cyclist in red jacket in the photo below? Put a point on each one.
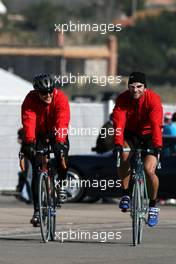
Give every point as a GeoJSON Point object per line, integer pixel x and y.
{"type": "Point", "coordinates": [45, 112]}
{"type": "Point", "coordinates": [137, 120]}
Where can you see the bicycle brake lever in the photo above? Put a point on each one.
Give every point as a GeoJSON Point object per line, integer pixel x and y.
{"type": "Point", "coordinates": [118, 159]}
{"type": "Point", "coordinates": [158, 162]}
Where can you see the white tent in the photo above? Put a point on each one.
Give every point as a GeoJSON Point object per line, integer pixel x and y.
{"type": "Point", "coordinates": [12, 87]}
{"type": "Point", "coordinates": [3, 9]}
{"type": "Point", "coordinates": [13, 90]}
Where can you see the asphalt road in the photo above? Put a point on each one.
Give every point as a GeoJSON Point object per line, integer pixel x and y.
{"type": "Point", "coordinates": [91, 234]}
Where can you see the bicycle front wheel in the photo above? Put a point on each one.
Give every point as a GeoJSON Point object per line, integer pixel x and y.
{"type": "Point", "coordinates": [144, 205]}
{"type": "Point", "coordinates": [44, 207]}
{"type": "Point", "coordinates": [53, 210]}
{"type": "Point", "coordinates": [136, 207]}
{"type": "Point", "coordinates": [141, 219]}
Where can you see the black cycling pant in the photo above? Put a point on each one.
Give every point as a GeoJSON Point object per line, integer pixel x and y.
{"type": "Point", "coordinates": [140, 141]}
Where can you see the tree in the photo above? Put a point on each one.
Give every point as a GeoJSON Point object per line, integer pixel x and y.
{"type": "Point", "coordinates": [127, 6]}
{"type": "Point", "coordinates": [42, 18]}
{"type": "Point", "coordinates": [150, 47]}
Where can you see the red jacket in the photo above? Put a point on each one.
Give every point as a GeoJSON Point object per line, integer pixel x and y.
{"type": "Point", "coordinates": [142, 116]}
{"type": "Point", "coordinates": [41, 118]}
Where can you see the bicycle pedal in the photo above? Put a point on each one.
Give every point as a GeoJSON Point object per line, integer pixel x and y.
{"type": "Point", "coordinates": [35, 224]}
{"type": "Point", "coordinates": [53, 212]}
{"type": "Point", "coordinates": [125, 210]}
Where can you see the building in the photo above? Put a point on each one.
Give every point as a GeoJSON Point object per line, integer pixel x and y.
{"type": "Point", "coordinates": [160, 3]}
{"type": "Point", "coordinates": [152, 8]}
{"type": "Point", "coordinates": [88, 60]}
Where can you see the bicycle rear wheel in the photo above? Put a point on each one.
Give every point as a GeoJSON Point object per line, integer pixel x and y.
{"type": "Point", "coordinates": [44, 205]}
{"type": "Point", "coordinates": [136, 207]}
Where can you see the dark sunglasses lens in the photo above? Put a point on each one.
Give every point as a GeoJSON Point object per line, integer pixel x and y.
{"type": "Point", "coordinates": [45, 93]}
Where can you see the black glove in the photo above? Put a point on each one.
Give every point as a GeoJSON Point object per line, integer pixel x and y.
{"type": "Point", "coordinates": [118, 149]}
{"type": "Point", "coordinates": [29, 150]}
{"type": "Point", "coordinates": [60, 149]}
{"type": "Point", "coordinates": [51, 137]}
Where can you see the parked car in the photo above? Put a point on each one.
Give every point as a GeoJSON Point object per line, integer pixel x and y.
{"type": "Point", "coordinates": [95, 175]}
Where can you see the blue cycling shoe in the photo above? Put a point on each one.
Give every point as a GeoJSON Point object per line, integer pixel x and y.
{"type": "Point", "coordinates": [124, 204]}
{"type": "Point", "coordinates": [153, 216]}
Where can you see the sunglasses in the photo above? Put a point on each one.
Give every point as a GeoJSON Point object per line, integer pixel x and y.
{"type": "Point", "coordinates": [45, 93]}
{"type": "Point", "coordinates": [136, 86]}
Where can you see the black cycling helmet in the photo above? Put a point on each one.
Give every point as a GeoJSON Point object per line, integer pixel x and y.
{"type": "Point", "coordinates": [43, 83]}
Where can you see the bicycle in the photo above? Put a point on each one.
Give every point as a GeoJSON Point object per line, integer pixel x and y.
{"type": "Point", "coordinates": [47, 196]}
{"type": "Point", "coordinates": [139, 199]}
{"type": "Point", "coordinates": [48, 188]}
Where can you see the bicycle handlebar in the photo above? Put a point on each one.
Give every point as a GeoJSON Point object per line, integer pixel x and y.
{"type": "Point", "coordinates": [138, 150]}
{"type": "Point", "coordinates": [45, 151]}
